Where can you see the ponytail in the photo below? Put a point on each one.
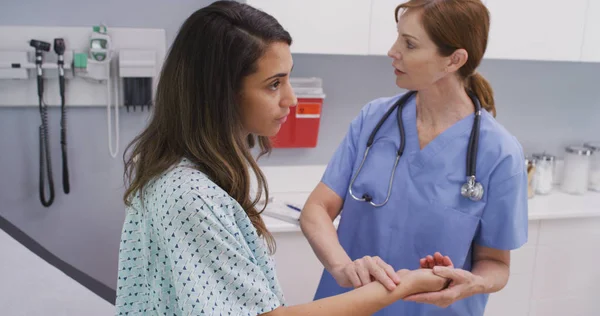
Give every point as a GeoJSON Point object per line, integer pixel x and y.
{"type": "Point", "coordinates": [483, 90]}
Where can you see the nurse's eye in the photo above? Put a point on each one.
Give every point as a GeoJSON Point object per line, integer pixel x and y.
{"type": "Point", "coordinates": [409, 45]}
{"type": "Point", "coordinates": [275, 85]}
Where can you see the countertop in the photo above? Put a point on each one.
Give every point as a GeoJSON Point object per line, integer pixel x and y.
{"type": "Point", "coordinates": [554, 206]}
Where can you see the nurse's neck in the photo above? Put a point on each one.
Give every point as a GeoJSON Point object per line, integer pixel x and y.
{"type": "Point", "coordinates": [442, 104]}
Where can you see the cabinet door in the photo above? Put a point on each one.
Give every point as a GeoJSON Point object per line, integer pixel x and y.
{"type": "Point", "coordinates": [536, 29]}
{"type": "Point", "coordinates": [322, 27]}
{"type": "Point", "coordinates": [383, 26]}
{"type": "Point", "coordinates": [591, 39]}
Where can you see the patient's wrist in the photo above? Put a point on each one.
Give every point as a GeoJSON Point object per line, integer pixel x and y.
{"type": "Point", "coordinates": [408, 282]}
{"type": "Point", "coordinates": [402, 272]}
{"type": "Point", "coordinates": [422, 280]}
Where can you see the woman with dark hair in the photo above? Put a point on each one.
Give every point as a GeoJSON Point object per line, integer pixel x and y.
{"type": "Point", "coordinates": [193, 241]}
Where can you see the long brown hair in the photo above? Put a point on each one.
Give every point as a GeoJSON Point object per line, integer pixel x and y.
{"type": "Point", "coordinates": [454, 24]}
{"type": "Point", "coordinates": [196, 110]}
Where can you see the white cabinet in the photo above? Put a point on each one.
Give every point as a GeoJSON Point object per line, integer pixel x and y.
{"type": "Point", "coordinates": [591, 39]}
{"type": "Point", "coordinates": [547, 277]}
{"type": "Point", "coordinates": [298, 268]}
{"type": "Point", "coordinates": [383, 31]}
{"type": "Point", "coordinates": [322, 27]}
{"type": "Point", "coordinates": [549, 30]}
{"type": "Point", "coordinates": [536, 29]}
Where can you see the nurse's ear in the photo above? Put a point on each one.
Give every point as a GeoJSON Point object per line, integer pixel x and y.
{"type": "Point", "coordinates": [458, 58]}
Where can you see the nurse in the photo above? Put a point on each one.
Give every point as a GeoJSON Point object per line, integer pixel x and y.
{"type": "Point", "coordinates": [396, 214]}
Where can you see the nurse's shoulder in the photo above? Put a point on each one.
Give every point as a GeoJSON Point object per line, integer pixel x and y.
{"type": "Point", "coordinates": [374, 110]}
{"type": "Point", "coordinates": [499, 150]}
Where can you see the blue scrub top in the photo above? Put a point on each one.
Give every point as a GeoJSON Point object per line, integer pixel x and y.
{"type": "Point", "coordinates": [426, 212]}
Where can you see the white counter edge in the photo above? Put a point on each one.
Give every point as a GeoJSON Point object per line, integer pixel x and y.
{"type": "Point", "coordinates": [293, 184]}
{"type": "Point", "coordinates": [555, 206]}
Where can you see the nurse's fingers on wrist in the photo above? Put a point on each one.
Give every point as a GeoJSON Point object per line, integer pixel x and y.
{"type": "Point", "coordinates": [381, 275]}
{"type": "Point", "coordinates": [361, 267]}
{"type": "Point", "coordinates": [389, 270]}
{"type": "Point", "coordinates": [365, 277]}
{"type": "Point", "coordinates": [371, 265]}
{"type": "Point", "coordinates": [354, 279]}
{"type": "Point", "coordinates": [362, 271]}
{"type": "Point", "coordinates": [385, 280]}
{"type": "Point", "coordinates": [378, 261]}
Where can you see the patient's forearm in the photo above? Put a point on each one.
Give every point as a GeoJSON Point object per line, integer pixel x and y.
{"type": "Point", "coordinates": [369, 298]}
{"type": "Point", "coordinates": [365, 300]}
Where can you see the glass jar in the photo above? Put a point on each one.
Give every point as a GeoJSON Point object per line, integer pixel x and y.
{"type": "Point", "coordinates": [594, 184]}
{"type": "Point", "coordinates": [575, 176]}
{"type": "Point", "coordinates": [559, 165]}
{"type": "Point", "coordinates": [530, 167]}
{"type": "Point", "coordinates": [544, 173]}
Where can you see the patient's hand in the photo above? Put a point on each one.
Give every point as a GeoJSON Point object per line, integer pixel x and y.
{"type": "Point", "coordinates": [421, 281]}
{"type": "Point", "coordinates": [436, 260]}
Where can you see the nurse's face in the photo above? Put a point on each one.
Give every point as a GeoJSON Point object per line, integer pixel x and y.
{"type": "Point", "coordinates": [416, 60]}
{"type": "Point", "coordinates": [267, 94]}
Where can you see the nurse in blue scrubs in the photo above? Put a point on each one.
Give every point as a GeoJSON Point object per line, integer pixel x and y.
{"type": "Point", "coordinates": [421, 218]}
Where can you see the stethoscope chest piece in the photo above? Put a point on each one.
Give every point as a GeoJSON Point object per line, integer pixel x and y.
{"type": "Point", "coordinates": [472, 189]}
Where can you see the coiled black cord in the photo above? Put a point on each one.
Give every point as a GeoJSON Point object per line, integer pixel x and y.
{"type": "Point", "coordinates": [63, 127]}
{"type": "Point", "coordinates": [59, 49]}
{"type": "Point", "coordinates": [45, 161]}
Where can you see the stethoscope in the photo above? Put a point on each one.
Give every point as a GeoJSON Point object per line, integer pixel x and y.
{"type": "Point", "coordinates": [470, 189]}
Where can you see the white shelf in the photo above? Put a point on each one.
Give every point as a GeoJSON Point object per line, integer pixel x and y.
{"type": "Point", "coordinates": [280, 226]}
{"type": "Point", "coordinates": [558, 205]}
{"type": "Point", "coordinates": [554, 206]}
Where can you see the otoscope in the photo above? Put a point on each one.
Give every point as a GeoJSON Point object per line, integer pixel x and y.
{"type": "Point", "coordinates": [59, 49]}
{"type": "Point", "coordinates": [45, 161]}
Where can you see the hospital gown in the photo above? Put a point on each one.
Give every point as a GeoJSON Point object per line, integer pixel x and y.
{"type": "Point", "coordinates": [192, 251]}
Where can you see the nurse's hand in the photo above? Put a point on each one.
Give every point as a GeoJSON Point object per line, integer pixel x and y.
{"type": "Point", "coordinates": [436, 260]}
{"type": "Point", "coordinates": [463, 284]}
{"type": "Point", "coordinates": [364, 271]}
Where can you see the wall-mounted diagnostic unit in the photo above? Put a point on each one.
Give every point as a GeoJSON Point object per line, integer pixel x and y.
{"type": "Point", "coordinates": [92, 66]}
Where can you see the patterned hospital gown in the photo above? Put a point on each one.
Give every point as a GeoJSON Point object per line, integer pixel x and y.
{"type": "Point", "coordinates": [192, 251]}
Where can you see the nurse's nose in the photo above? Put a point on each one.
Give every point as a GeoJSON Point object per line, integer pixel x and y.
{"type": "Point", "coordinates": [394, 52]}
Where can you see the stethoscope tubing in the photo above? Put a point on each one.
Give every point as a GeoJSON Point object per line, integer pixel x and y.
{"type": "Point", "coordinates": [471, 160]}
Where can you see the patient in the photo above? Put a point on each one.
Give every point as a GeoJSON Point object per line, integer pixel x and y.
{"type": "Point", "coordinates": [193, 240]}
